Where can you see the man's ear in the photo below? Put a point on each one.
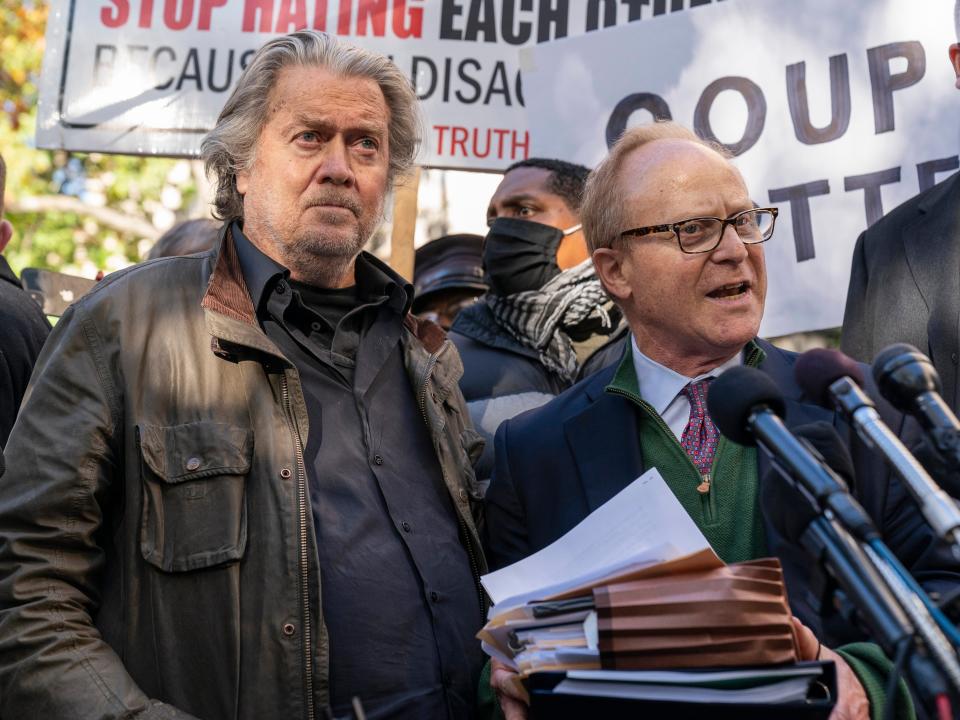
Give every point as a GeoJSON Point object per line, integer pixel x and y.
{"type": "Point", "coordinates": [608, 263]}
{"type": "Point", "coordinates": [6, 232]}
{"type": "Point", "coordinates": [241, 180]}
{"type": "Point", "coordinates": [955, 61]}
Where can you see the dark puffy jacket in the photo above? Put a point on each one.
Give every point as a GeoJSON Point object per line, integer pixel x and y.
{"type": "Point", "coordinates": [502, 378]}
{"type": "Point", "coordinates": [157, 556]}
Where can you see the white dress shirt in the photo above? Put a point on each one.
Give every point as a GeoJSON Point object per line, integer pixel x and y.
{"type": "Point", "coordinates": [662, 388]}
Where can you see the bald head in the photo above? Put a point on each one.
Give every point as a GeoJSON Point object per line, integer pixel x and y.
{"type": "Point", "coordinates": [603, 203]}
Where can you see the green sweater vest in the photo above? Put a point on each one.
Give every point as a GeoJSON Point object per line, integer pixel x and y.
{"type": "Point", "coordinates": [734, 487]}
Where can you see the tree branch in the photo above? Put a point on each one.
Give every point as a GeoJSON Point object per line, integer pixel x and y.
{"type": "Point", "coordinates": [105, 216]}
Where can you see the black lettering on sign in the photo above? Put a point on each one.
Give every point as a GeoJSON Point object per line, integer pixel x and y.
{"type": "Point", "coordinates": [155, 58]}
{"type": "Point", "coordinates": [840, 102]}
{"type": "Point", "coordinates": [927, 171]}
{"type": "Point", "coordinates": [482, 18]}
{"type": "Point", "coordinates": [799, 198]}
{"type": "Point", "coordinates": [104, 56]}
{"type": "Point", "coordinates": [228, 80]}
{"type": "Point", "coordinates": [756, 112]}
{"type": "Point", "coordinates": [415, 73]}
{"type": "Point", "coordinates": [871, 183]}
{"type": "Point", "coordinates": [191, 71]}
{"type": "Point", "coordinates": [467, 99]}
{"type": "Point", "coordinates": [524, 29]}
{"type": "Point", "coordinates": [552, 18]}
{"type": "Point", "coordinates": [609, 14]}
{"type": "Point", "coordinates": [448, 11]}
{"type": "Point", "coordinates": [884, 83]}
{"type": "Point", "coordinates": [652, 103]}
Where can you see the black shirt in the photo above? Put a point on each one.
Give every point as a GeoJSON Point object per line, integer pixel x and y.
{"type": "Point", "coordinates": [399, 600]}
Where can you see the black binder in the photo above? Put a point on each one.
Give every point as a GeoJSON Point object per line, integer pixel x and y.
{"type": "Point", "coordinates": [547, 705]}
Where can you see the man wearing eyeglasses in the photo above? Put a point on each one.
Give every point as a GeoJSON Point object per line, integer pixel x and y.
{"type": "Point", "coordinates": [678, 244]}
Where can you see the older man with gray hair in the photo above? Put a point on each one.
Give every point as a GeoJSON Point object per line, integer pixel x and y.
{"type": "Point", "coordinates": [240, 485]}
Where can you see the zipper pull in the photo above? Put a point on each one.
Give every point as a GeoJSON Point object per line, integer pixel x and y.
{"type": "Point", "coordinates": [704, 487]}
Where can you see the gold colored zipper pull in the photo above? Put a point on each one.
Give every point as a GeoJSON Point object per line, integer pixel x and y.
{"type": "Point", "coordinates": [704, 487]}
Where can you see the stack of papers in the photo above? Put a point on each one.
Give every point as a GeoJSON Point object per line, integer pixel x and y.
{"type": "Point", "coordinates": [761, 686]}
{"type": "Point", "coordinates": [641, 532]}
{"type": "Point", "coordinates": [636, 586]}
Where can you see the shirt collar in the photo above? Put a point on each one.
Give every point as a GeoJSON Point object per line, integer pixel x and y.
{"type": "Point", "coordinates": [659, 385]}
{"type": "Point", "coordinates": [259, 271]}
{"type": "Point", "coordinates": [375, 279]}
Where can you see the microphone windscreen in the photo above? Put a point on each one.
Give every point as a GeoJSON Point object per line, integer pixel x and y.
{"type": "Point", "coordinates": [734, 396]}
{"type": "Point", "coordinates": [902, 373]}
{"type": "Point", "coordinates": [816, 370]}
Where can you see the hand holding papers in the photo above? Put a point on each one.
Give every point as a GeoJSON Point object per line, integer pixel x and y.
{"type": "Point", "coordinates": [636, 585]}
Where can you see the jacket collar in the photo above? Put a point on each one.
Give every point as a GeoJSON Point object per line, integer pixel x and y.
{"type": "Point", "coordinates": [932, 248]}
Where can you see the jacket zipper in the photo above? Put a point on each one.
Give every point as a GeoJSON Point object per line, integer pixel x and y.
{"type": "Point", "coordinates": [706, 480]}
{"type": "Point", "coordinates": [474, 566]}
{"type": "Point", "coordinates": [304, 564]}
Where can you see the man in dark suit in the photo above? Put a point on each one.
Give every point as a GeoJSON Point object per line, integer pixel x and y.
{"type": "Point", "coordinates": [676, 241]}
{"type": "Point", "coordinates": [905, 279]}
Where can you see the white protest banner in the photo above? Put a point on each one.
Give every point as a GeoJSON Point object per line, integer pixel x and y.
{"type": "Point", "coordinates": [150, 76]}
{"type": "Point", "coordinates": [837, 111]}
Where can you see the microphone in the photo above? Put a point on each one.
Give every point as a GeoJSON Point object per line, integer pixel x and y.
{"type": "Point", "coordinates": [787, 506]}
{"type": "Point", "coordinates": [747, 407]}
{"type": "Point", "coordinates": [907, 378]}
{"type": "Point", "coordinates": [830, 373]}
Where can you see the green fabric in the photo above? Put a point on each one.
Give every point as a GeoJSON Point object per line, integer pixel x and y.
{"type": "Point", "coordinates": [734, 485]}
{"type": "Point", "coordinates": [488, 707]}
{"type": "Point", "coordinates": [873, 669]}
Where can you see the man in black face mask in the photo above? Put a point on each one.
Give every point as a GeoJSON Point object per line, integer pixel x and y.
{"type": "Point", "coordinates": [546, 320]}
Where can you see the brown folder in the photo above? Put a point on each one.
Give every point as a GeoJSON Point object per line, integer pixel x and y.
{"type": "Point", "coordinates": [732, 615]}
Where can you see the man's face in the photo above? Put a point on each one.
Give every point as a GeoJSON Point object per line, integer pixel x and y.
{"type": "Point", "coordinates": [524, 194]}
{"type": "Point", "coordinates": [314, 194]}
{"type": "Point", "coordinates": [706, 305]}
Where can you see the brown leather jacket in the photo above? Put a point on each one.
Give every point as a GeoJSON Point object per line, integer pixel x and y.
{"type": "Point", "coordinates": [157, 554]}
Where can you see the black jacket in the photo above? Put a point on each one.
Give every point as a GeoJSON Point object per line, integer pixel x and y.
{"type": "Point", "coordinates": [23, 330]}
{"type": "Point", "coordinates": [560, 462]}
{"type": "Point", "coordinates": [502, 378]}
{"type": "Point", "coordinates": [905, 284]}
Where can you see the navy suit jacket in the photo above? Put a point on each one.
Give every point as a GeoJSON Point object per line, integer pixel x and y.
{"type": "Point", "coordinates": [558, 463]}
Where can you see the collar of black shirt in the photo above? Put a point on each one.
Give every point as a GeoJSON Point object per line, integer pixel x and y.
{"type": "Point", "coordinates": [375, 280]}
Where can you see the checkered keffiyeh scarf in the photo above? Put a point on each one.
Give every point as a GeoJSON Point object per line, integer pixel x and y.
{"type": "Point", "coordinates": [543, 319]}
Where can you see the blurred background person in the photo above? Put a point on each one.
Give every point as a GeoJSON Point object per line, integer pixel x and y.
{"type": "Point", "coordinates": [23, 330]}
{"type": "Point", "coordinates": [448, 277]}
{"type": "Point", "coordinates": [546, 314]}
{"type": "Point", "coordinates": [186, 238]}
{"type": "Point", "coordinates": [905, 279]}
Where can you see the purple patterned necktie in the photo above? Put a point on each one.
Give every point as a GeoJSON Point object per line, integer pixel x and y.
{"type": "Point", "coordinates": [700, 436]}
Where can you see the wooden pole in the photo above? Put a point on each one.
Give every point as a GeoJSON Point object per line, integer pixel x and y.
{"type": "Point", "coordinates": [404, 225]}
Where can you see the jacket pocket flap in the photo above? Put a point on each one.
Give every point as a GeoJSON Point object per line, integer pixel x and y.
{"type": "Point", "coordinates": [196, 450]}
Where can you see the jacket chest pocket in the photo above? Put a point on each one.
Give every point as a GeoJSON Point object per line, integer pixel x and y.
{"type": "Point", "coordinates": [194, 506]}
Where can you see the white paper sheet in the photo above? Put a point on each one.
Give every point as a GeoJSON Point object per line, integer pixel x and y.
{"type": "Point", "coordinates": [643, 524]}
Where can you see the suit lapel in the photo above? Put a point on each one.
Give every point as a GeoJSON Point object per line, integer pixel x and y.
{"type": "Point", "coordinates": [932, 247]}
{"type": "Point", "coordinates": [605, 443]}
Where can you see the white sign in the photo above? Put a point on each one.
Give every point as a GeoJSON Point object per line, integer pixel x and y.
{"type": "Point", "coordinates": [837, 111]}
{"type": "Point", "coordinates": [150, 76]}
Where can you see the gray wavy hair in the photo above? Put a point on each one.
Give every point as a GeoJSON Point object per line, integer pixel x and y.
{"type": "Point", "coordinates": [231, 145]}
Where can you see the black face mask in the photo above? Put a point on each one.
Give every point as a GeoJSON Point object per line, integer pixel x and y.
{"type": "Point", "coordinates": [521, 255]}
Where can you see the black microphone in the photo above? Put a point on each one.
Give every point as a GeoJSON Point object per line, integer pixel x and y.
{"type": "Point", "coordinates": [830, 373]}
{"type": "Point", "coordinates": [906, 377]}
{"type": "Point", "coordinates": [786, 506]}
{"type": "Point", "coordinates": [747, 407]}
